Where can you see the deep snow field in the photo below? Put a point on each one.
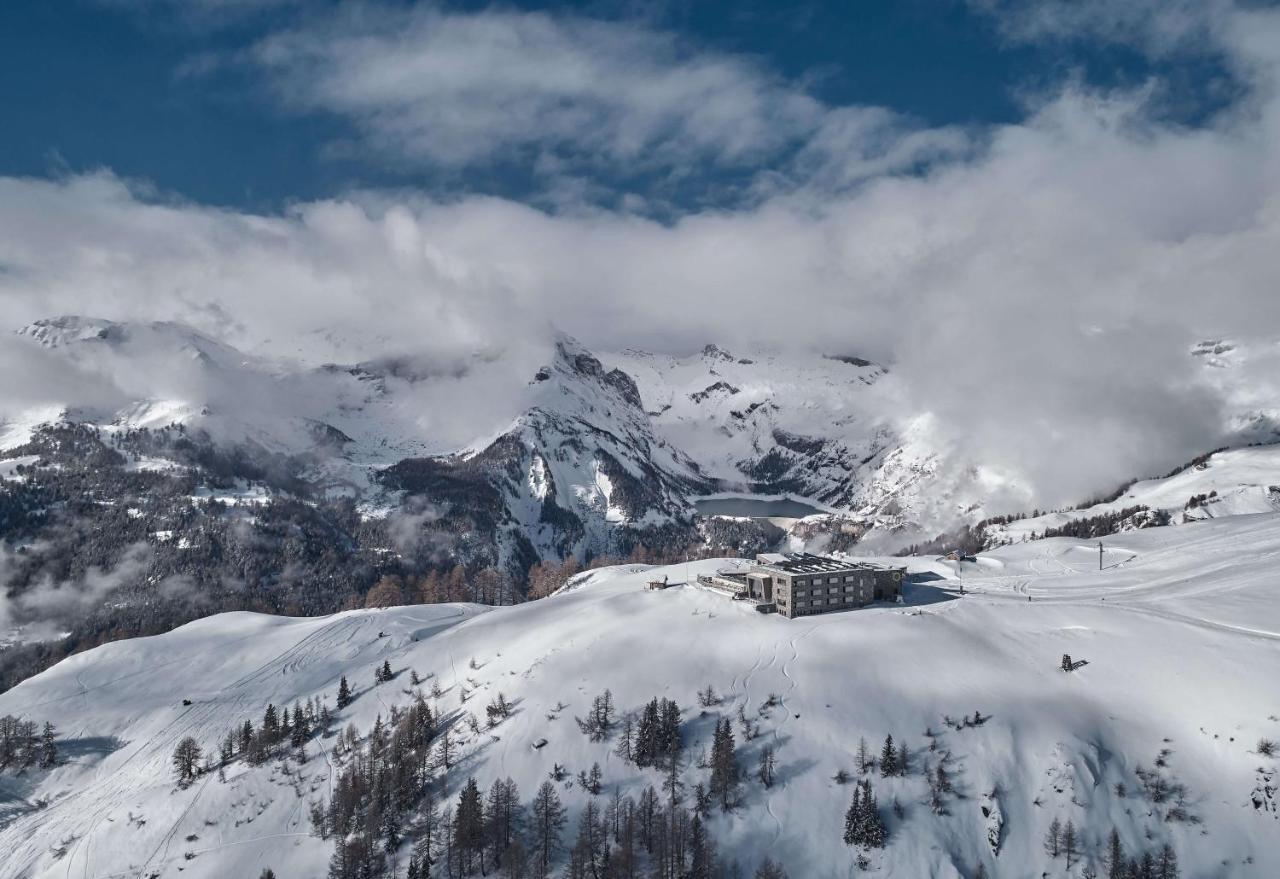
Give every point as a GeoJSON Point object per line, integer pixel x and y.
{"type": "Point", "coordinates": [1180, 631]}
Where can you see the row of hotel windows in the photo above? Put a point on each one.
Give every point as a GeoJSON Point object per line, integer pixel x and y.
{"type": "Point", "coordinates": [834, 590]}
{"type": "Point", "coordinates": [813, 602]}
{"type": "Point", "coordinates": [817, 581]}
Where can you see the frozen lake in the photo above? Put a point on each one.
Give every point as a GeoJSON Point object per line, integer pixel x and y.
{"type": "Point", "coordinates": [755, 508]}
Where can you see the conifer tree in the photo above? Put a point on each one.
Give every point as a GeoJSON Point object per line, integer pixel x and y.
{"type": "Point", "coordinates": [701, 852]}
{"type": "Point", "coordinates": [48, 747]}
{"type": "Point", "coordinates": [1166, 866]}
{"type": "Point", "coordinates": [1070, 843]}
{"type": "Point", "coordinates": [942, 778]}
{"type": "Point", "coordinates": [468, 824]}
{"type": "Point", "coordinates": [591, 850]}
{"type": "Point", "coordinates": [1053, 839]}
{"type": "Point", "coordinates": [270, 725]}
{"type": "Point", "coordinates": [501, 813]}
{"type": "Point", "coordinates": [864, 755]}
{"type": "Point", "coordinates": [344, 693]}
{"type": "Point", "coordinates": [626, 740]}
{"type": "Point", "coordinates": [766, 770]}
{"type": "Point", "coordinates": [646, 744]}
{"type": "Point", "coordinates": [444, 750]}
{"type": "Point", "coordinates": [863, 825]}
{"type": "Point", "coordinates": [875, 833]}
{"type": "Point", "coordinates": [724, 765]}
{"type": "Point", "coordinates": [186, 760]}
{"type": "Point", "coordinates": [549, 817]}
{"type": "Point", "coordinates": [1116, 864]}
{"type": "Point", "coordinates": [888, 758]}
{"type": "Point", "coordinates": [769, 870]}
{"type": "Point", "coordinates": [852, 817]}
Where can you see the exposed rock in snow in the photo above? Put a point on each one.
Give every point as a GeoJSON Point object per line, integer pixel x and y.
{"type": "Point", "coordinates": [990, 806]}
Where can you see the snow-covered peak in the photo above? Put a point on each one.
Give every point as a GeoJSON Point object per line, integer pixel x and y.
{"type": "Point", "coordinates": [132, 340]}
{"type": "Point", "coordinates": [57, 332]}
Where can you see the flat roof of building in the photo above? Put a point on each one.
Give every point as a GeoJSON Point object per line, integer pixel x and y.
{"type": "Point", "coordinates": [807, 563]}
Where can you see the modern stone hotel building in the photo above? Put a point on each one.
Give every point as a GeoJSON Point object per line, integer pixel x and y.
{"type": "Point", "coordinates": [800, 584]}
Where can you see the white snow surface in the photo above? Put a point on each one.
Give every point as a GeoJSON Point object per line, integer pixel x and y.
{"type": "Point", "coordinates": [1242, 481]}
{"type": "Point", "coordinates": [1180, 630]}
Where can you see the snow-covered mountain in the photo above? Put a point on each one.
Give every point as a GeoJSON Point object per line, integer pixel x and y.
{"type": "Point", "coordinates": [1146, 736]}
{"type": "Point", "coordinates": [577, 457]}
{"type": "Point", "coordinates": [150, 474]}
{"type": "Point", "coordinates": [561, 434]}
{"type": "Point", "coordinates": [820, 428]}
{"type": "Point", "coordinates": [579, 464]}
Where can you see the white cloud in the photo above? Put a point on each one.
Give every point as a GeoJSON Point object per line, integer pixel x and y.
{"type": "Point", "coordinates": [45, 605]}
{"type": "Point", "coordinates": [1159, 27]}
{"type": "Point", "coordinates": [561, 92]}
{"type": "Point", "coordinates": [1036, 289]}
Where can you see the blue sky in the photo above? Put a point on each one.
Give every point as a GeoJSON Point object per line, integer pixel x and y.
{"type": "Point", "coordinates": [160, 91]}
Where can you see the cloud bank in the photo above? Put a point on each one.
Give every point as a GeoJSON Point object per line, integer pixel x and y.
{"type": "Point", "coordinates": [1035, 286]}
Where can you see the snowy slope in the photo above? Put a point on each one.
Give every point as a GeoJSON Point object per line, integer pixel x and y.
{"type": "Point", "coordinates": [1181, 632]}
{"type": "Point", "coordinates": [1228, 483]}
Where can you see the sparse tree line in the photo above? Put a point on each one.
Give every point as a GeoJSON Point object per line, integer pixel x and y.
{"type": "Point", "coordinates": [1161, 864]}
{"type": "Point", "coordinates": [1105, 524]}
{"type": "Point", "coordinates": [25, 743]}
{"type": "Point", "coordinates": [281, 733]}
{"type": "Point", "coordinates": [1197, 500]}
{"type": "Point", "coordinates": [1162, 789]}
{"type": "Point", "coordinates": [390, 798]}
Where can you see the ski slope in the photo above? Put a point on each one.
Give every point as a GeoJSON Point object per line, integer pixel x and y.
{"type": "Point", "coordinates": [1180, 631]}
